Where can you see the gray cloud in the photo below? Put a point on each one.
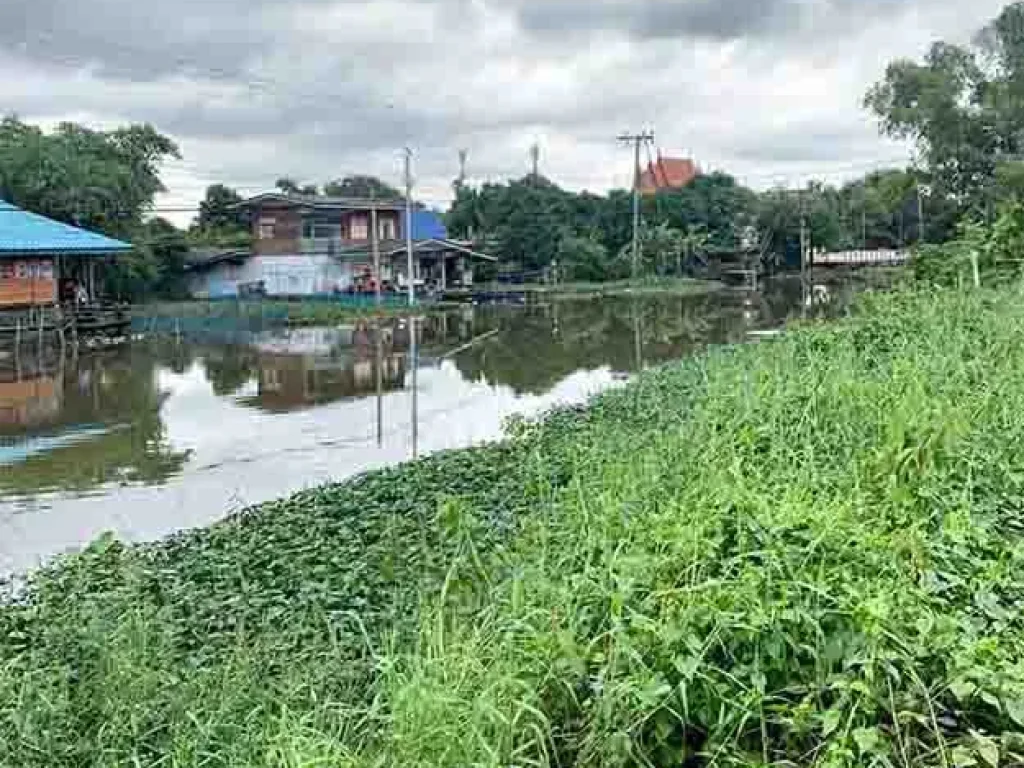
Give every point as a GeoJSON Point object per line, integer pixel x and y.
{"type": "Point", "coordinates": [253, 89]}
{"type": "Point", "coordinates": [716, 19]}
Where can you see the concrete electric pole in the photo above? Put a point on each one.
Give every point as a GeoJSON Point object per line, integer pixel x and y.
{"type": "Point", "coordinates": [637, 140]}
{"type": "Point", "coordinates": [408, 227]}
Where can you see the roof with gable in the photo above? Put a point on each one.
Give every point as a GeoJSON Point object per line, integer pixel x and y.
{"type": "Point", "coordinates": [24, 233]}
{"type": "Point", "coordinates": [667, 173]}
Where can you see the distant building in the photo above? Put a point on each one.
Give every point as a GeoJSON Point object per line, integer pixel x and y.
{"type": "Point", "coordinates": [305, 245]}
{"type": "Point", "coordinates": [43, 261]}
{"type": "Point", "coordinates": [667, 173]}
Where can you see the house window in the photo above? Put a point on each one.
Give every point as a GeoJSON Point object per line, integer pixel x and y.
{"type": "Point", "coordinates": [320, 230]}
{"type": "Point", "coordinates": [387, 230]}
{"type": "Point", "coordinates": [267, 228]}
{"type": "Point", "coordinates": [359, 227]}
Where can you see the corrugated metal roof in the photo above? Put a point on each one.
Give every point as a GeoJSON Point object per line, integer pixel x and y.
{"type": "Point", "coordinates": [323, 202]}
{"type": "Point", "coordinates": [23, 233]}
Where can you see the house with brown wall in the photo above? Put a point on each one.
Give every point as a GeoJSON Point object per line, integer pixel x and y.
{"type": "Point", "coordinates": [307, 245]}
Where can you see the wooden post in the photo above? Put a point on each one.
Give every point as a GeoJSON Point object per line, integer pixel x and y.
{"type": "Point", "coordinates": [974, 269]}
{"type": "Point", "coordinates": [444, 271]}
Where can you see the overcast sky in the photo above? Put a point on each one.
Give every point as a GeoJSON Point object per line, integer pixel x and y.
{"type": "Point", "coordinates": [769, 90]}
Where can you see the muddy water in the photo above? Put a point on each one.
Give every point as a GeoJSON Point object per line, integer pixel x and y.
{"type": "Point", "coordinates": [175, 432]}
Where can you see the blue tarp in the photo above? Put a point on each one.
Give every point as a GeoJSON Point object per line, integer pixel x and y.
{"type": "Point", "coordinates": [23, 233]}
{"type": "Point", "coordinates": [428, 225]}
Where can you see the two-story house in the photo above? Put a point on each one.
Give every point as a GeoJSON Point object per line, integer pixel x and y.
{"type": "Point", "coordinates": [306, 245]}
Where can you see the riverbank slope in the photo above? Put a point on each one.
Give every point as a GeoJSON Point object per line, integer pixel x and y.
{"type": "Point", "coordinates": [802, 552]}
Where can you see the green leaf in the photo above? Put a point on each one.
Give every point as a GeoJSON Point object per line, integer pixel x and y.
{"type": "Point", "coordinates": [829, 722]}
{"type": "Point", "coordinates": [962, 689]}
{"type": "Point", "coordinates": [868, 740]}
{"type": "Point", "coordinates": [987, 749]}
{"type": "Point", "coordinates": [1015, 709]}
{"type": "Point", "coordinates": [963, 757]}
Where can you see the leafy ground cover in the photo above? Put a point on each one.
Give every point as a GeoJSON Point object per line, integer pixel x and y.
{"type": "Point", "coordinates": [804, 552]}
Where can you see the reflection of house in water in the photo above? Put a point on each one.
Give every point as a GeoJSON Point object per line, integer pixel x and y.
{"type": "Point", "coordinates": [313, 366]}
{"type": "Point", "coordinates": [78, 424]}
{"type": "Point", "coordinates": [29, 401]}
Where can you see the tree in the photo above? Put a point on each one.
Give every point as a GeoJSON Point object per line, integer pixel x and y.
{"type": "Point", "coordinates": [288, 186]}
{"type": "Point", "coordinates": [586, 259]}
{"type": "Point", "coordinates": [661, 250]}
{"type": "Point", "coordinates": [220, 210]}
{"type": "Point", "coordinates": [154, 267]}
{"type": "Point", "coordinates": [963, 107]}
{"type": "Point", "coordinates": [101, 180]}
{"type": "Point", "coordinates": [362, 187]}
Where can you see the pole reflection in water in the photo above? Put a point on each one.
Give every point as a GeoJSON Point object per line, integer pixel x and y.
{"type": "Point", "coordinates": [379, 334]}
{"type": "Point", "coordinates": [638, 339]}
{"type": "Point", "coordinates": [414, 360]}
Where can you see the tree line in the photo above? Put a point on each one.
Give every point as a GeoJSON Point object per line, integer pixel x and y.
{"type": "Point", "coordinates": [962, 106]}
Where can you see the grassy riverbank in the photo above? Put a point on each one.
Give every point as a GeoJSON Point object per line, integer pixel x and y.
{"type": "Point", "coordinates": [802, 552]}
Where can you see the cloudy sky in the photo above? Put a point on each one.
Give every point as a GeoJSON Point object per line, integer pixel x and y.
{"type": "Point", "coordinates": [769, 90]}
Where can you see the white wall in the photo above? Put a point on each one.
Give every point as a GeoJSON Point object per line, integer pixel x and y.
{"type": "Point", "coordinates": [281, 276]}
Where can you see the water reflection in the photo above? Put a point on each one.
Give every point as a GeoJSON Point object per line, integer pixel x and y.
{"type": "Point", "coordinates": [174, 431]}
{"type": "Point", "coordinates": [79, 424]}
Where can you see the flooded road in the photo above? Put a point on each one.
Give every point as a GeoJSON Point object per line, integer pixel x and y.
{"type": "Point", "coordinates": [176, 431]}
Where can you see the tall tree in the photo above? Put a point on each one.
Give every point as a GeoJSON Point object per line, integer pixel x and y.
{"type": "Point", "coordinates": [361, 187]}
{"type": "Point", "coordinates": [220, 210]}
{"type": "Point", "coordinates": [288, 186]}
{"type": "Point", "coordinates": [103, 180]}
{"type": "Point", "coordinates": [963, 107]}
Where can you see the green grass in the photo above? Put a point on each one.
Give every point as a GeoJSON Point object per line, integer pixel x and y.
{"type": "Point", "coordinates": [802, 552]}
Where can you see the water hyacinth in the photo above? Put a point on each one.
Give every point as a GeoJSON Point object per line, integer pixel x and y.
{"type": "Point", "coordinates": [802, 552]}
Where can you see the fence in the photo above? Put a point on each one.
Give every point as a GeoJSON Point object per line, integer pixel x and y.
{"type": "Point", "coordinates": [861, 258]}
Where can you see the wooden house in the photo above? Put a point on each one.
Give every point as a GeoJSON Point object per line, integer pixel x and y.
{"type": "Point", "coordinates": [310, 245]}
{"type": "Point", "coordinates": [43, 261]}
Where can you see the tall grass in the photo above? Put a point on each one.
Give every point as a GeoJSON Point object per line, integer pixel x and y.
{"type": "Point", "coordinates": [805, 552]}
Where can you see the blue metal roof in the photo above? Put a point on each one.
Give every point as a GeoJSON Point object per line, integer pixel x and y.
{"type": "Point", "coordinates": [23, 233]}
{"type": "Point", "coordinates": [428, 225]}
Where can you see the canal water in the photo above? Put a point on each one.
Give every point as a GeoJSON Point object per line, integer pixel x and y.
{"type": "Point", "coordinates": [175, 431]}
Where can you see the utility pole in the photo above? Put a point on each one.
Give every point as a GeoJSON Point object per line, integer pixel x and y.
{"type": "Point", "coordinates": [637, 140]}
{"type": "Point", "coordinates": [804, 250]}
{"type": "Point", "coordinates": [408, 226]}
{"type": "Point", "coordinates": [375, 243]}
{"type": "Point", "coordinates": [463, 158]}
{"type": "Point", "coordinates": [535, 161]}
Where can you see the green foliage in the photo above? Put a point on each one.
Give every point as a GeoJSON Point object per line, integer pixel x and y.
{"type": "Point", "coordinates": [220, 211]}
{"type": "Point", "coordinates": [963, 107]}
{"type": "Point", "coordinates": [525, 222]}
{"type": "Point", "coordinates": [804, 552]}
{"type": "Point", "coordinates": [584, 259]}
{"type": "Point", "coordinates": [155, 267]}
{"type": "Point", "coordinates": [101, 180]}
{"type": "Point", "coordinates": [714, 202]}
{"type": "Point", "coordinates": [291, 187]}
{"type": "Point", "coordinates": [998, 250]}
{"type": "Point", "coordinates": [362, 187]}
